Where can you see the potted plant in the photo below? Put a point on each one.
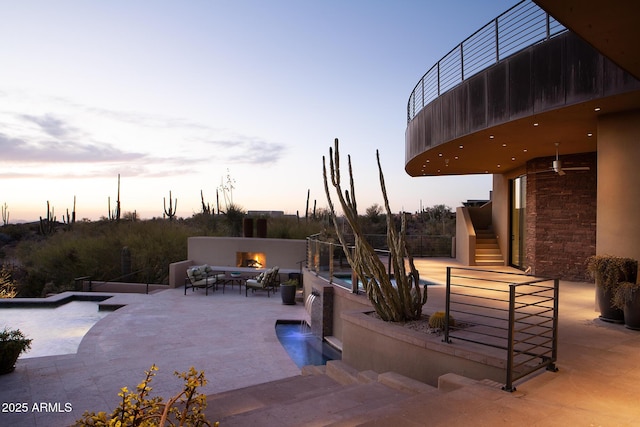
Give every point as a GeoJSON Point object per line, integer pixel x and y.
{"type": "Point", "coordinates": [627, 298]}
{"type": "Point", "coordinates": [12, 344]}
{"type": "Point", "coordinates": [288, 291]}
{"type": "Point", "coordinates": [608, 272]}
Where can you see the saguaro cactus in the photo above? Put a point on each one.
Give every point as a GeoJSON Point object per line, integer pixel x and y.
{"type": "Point", "coordinates": [5, 214]}
{"type": "Point", "coordinates": [115, 214]}
{"type": "Point", "coordinates": [400, 303]}
{"type": "Point", "coordinates": [48, 224]}
{"type": "Point", "coordinates": [171, 212]}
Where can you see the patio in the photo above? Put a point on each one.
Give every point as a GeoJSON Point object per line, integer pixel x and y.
{"type": "Point", "coordinates": [232, 338]}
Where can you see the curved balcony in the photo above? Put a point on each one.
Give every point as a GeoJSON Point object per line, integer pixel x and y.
{"type": "Point", "coordinates": [507, 93]}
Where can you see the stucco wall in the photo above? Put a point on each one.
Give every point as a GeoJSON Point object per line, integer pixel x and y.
{"type": "Point", "coordinates": [500, 212]}
{"type": "Point", "coordinates": [618, 183]}
{"type": "Point", "coordinates": [371, 344]}
{"type": "Point", "coordinates": [221, 251]}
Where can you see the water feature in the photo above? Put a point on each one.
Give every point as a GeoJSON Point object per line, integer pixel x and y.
{"type": "Point", "coordinates": [54, 330]}
{"type": "Point", "coordinates": [303, 347]}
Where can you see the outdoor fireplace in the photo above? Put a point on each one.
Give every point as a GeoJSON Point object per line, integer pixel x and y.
{"type": "Point", "coordinates": [251, 259]}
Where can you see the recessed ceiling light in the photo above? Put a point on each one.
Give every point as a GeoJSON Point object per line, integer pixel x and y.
{"type": "Point", "coordinates": [498, 165]}
{"type": "Point", "coordinates": [461, 146]}
{"type": "Point", "coordinates": [535, 124]}
{"type": "Point", "coordinates": [596, 109]}
{"type": "Point", "coordinates": [486, 171]}
{"type": "Point", "coordinates": [491, 136]}
{"type": "Point", "coordinates": [589, 134]}
{"type": "Point", "coordinates": [456, 157]}
{"type": "Point", "coordinates": [504, 145]}
{"type": "Point", "coordinates": [513, 158]}
{"type": "Point", "coordinates": [439, 154]}
{"type": "Point", "coordinates": [525, 150]}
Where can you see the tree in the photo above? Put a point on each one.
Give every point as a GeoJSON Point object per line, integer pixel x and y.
{"type": "Point", "coordinates": [398, 303]}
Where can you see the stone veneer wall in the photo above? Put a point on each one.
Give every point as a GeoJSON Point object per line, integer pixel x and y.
{"type": "Point", "coordinates": [561, 217]}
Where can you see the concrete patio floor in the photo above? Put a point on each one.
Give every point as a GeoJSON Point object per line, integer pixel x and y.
{"type": "Point", "coordinates": [232, 338]}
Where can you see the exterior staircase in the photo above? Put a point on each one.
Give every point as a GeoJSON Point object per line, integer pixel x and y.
{"type": "Point", "coordinates": [338, 395]}
{"type": "Point", "coordinates": [487, 249]}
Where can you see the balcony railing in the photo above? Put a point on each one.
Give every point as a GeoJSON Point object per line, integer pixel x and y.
{"type": "Point", "coordinates": [524, 25]}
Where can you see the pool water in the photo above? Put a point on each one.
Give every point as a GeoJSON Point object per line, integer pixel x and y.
{"type": "Point", "coordinates": [303, 347]}
{"type": "Point", "coordinates": [54, 331]}
{"type": "Point", "coordinates": [347, 279]}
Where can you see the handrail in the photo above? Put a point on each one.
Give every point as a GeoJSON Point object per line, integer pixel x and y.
{"type": "Point", "coordinates": [97, 283]}
{"type": "Point", "coordinates": [521, 26]}
{"type": "Point", "coordinates": [507, 311]}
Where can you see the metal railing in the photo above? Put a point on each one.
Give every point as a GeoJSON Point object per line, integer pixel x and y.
{"type": "Point", "coordinates": [524, 25]}
{"type": "Point", "coordinates": [93, 284]}
{"type": "Point", "coordinates": [328, 259]}
{"type": "Point", "coordinates": [506, 311]}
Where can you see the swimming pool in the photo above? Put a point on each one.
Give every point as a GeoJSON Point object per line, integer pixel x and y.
{"type": "Point", "coordinates": [303, 347]}
{"type": "Point", "coordinates": [346, 278]}
{"type": "Point", "coordinates": [54, 330]}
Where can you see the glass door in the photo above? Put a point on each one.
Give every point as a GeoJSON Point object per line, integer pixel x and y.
{"type": "Point", "coordinates": [518, 221]}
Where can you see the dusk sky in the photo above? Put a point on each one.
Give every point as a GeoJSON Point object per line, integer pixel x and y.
{"type": "Point", "coordinates": [173, 95]}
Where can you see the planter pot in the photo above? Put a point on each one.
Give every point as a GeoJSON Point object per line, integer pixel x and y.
{"type": "Point", "coordinates": [632, 313]}
{"type": "Point", "coordinates": [9, 353]}
{"type": "Point", "coordinates": [288, 293]}
{"type": "Point", "coordinates": [608, 313]}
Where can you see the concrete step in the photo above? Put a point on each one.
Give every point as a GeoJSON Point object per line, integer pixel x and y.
{"type": "Point", "coordinates": [316, 398]}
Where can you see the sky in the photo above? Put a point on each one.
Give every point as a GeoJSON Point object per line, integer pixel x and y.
{"type": "Point", "coordinates": [176, 96]}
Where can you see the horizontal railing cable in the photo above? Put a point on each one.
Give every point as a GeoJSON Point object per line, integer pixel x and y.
{"type": "Point", "coordinates": [521, 26]}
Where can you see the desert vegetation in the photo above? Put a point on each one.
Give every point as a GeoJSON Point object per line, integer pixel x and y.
{"type": "Point", "coordinates": [36, 264]}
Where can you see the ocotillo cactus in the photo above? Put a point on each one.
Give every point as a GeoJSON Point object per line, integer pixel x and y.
{"type": "Point", "coordinates": [398, 303]}
{"type": "Point", "coordinates": [206, 209]}
{"type": "Point", "coordinates": [172, 209]}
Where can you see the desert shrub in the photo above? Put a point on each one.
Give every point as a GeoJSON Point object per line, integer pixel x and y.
{"type": "Point", "coordinates": [139, 409]}
{"type": "Point", "coordinates": [93, 249]}
{"type": "Point", "coordinates": [7, 288]}
{"type": "Point", "coordinates": [293, 228]}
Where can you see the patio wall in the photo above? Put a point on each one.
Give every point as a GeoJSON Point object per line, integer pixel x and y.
{"type": "Point", "coordinates": [369, 343]}
{"type": "Point", "coordinates": [220, 253]}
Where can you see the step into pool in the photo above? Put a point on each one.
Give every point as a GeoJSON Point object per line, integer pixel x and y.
{"type": "Point", "coordinates": [303, 347]}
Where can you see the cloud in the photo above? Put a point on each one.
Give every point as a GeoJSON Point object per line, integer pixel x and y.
{"type": "Point", "coordinates": [247, 150]}
{"type": "Point", "coordinates": [61, 131]}
{"type": "Point", "coordinates": [17, 149]}
{"type": "Point", "coordinates": [50, 125]}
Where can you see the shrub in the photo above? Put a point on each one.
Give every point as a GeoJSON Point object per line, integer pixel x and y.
{"type": "Point", "coordinates": [139, 409]}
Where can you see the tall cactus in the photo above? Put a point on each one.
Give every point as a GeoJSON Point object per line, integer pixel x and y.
{"type": "Point", "coordinates": [48, 224]}
{"type": "Point", "coordinates": [115, 214]}
{"type": "Point", "coordinates": [171, 212]}
{"type": "Point", "coordinates": [69, 220]}
{"type": "Point", "coordinates": [206, 208]}
{"type": "Point", "coordinates": [400, 303]}
{"type": "Point", "coordinates": [5, 214]}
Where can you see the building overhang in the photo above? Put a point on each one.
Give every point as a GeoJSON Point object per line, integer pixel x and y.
{"type": "Point", "coordinates": [509, 146]}
{"type": "Point", "coordinates": [517, 110]}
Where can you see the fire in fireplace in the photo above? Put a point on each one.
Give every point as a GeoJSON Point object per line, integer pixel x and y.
{"type": "Point", "coordinates": [251, 259]}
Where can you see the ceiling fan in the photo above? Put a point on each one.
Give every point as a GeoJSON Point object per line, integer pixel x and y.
{"type": "Point", "coordinates": [556, 166]}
